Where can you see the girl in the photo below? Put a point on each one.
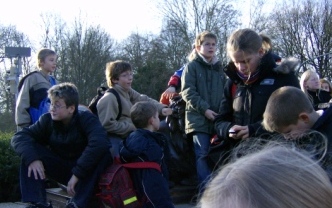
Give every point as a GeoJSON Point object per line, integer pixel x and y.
{"type": "Point", "coordinates": [310, 85]}
{"type": "Point", "coordinates": [201, 82]}
{"type": "Point", "coordinates": [326, 85]}
{"type": "Point", "coordinates": [253, 76]}
{"type": "Point", "coordinates": [33, 89]}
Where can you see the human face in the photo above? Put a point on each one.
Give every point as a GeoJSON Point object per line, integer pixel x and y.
{"type": "Point", "coordinates": [325, 87]}
{"type": "Point", "coordinates": [246, 63]}
{"type": "Point", "coordinates": [293, 131]}
{"type": "Point", "coordinates": [208, 48]}
{"type": "Point", "coordinates": [49, 64]}
{"type": "Point", "coordinates": [155, 122]}
{"type": "Point", "coordinates": [125, 80]}
{"type": "Point", "coordinates": [60, 112]}
{"type": "Point", "coordinates": [312, 83]}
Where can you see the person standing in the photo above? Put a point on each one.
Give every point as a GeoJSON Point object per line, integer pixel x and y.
{"type": "Point", "coordinates": [201, 82]}
{"type": "Point", "coordinates": [33, 89]}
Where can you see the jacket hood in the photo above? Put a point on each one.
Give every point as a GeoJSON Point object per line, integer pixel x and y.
{"type": "Point", "coordinates": [267, 65]}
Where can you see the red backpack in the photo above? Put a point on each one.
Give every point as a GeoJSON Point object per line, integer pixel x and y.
{"type": "Point", "coordinates": [116, 188]}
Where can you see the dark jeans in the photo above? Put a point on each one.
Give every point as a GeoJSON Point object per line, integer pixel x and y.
{"type": "Point", "coordinates": [59, 169]}
{"type": "Point", "coordinates": [202, 147]}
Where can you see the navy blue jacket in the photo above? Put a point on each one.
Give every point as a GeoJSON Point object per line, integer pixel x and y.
{"type": "Point", "coordinates": [143, 145]}
{"type": "Point", "coordinates": [85, 140]}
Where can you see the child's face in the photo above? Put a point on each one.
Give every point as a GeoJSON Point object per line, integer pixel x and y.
{"type": "Point", "coordinates": [246, 63]}
{"type": "Point", "coordinates": [208, 48]}
{"type": "Point", "coordinates": [312, 83]}
{"type": "Point", "coordinates": [294, 130]}
{"type": "Point", "coordinates": [49, 64]}
{"type": "Point", "coordinates": [155, 122]}
{"type": "Point", "coordinates": [125, 80]}
{"type": "Point", "coordinates": [60, 112]}
{"type": "Point", "coordinates": [325, 87]}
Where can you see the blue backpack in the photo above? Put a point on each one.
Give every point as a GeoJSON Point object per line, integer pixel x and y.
{"type": "Point", "coordinates": [44, 105]}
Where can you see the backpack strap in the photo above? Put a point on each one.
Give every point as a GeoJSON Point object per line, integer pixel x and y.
{"type": "Point", "coordinates": [20, 83]}
{"type": "Point", "coordinates": [133, 165]}
{"type": "Point", "coordinates": [145, 165]}
{"type": "Point", "coordinates": [118, 99]}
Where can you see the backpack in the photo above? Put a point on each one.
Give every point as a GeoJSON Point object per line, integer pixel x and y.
{"type": "Point", "coordinates": [115, 187]}
{"type": "Point", "coordinates": [100, 93]}
{"type": "Point", "coordinates": [44, 104]}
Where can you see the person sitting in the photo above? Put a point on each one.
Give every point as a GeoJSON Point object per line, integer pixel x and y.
{"type": "Point", "coordinates": [145, 144]}
{"type": "Point", "coordinates": [119, 76]}
{"type": "Point", "coordinates": [67, 145]}
{"type": "Point", "coordinates": [276, 177]}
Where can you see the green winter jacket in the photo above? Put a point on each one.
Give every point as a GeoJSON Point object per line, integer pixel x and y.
{"type": "Point", "coordinates": [202, 87]}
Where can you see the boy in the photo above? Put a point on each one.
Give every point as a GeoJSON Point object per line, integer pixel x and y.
{"type": "Point", "coordinates": [119, 76]}
{"type": "Point", "coordinates": [290, 112]}
{"type": "Point", "coordinates": [33, 89]}
{"type": "Point", "coordinates": [67, 145]}
{"type": "Point", "coordinates": [144, 144]}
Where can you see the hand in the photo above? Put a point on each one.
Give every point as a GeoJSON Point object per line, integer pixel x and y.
{"type": "Point", "coordinates": [241, 132]}
{"type": "Point", "coordinates": [167, 111]}
{"type": "Point", "coordinates": [37, 168]}
{"type": "Point", "coordinates": [71, 185]}
{"type": "Point", "coordinates": [211, 115]}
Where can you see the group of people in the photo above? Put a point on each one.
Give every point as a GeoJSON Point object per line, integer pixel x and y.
{"type": "Point", "coordinates": [240, 102]}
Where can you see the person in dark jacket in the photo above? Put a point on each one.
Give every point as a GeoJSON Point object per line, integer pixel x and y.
{"type": "Point", "coordinates": [301, 122]}
{"type": "Point", "coordinates": [67, 145]}
{"type": "Point", "coordinates": [310, 85]}
{"type": "Point", "coordinates": [145, 144]}
{"type": "Point", "coordinates": [253, 76]}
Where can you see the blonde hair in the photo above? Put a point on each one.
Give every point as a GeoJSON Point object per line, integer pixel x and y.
{"type": "Point", "coordinates": [304, 78]}
{"type": "Point", "coordinates": [246, 40]}
{"type": "Point", "coordinates": [200, 38]}
{"type": "Point", "coordinates": [274, 177]}
{"type": "Point", "coordinates": [42, 54]}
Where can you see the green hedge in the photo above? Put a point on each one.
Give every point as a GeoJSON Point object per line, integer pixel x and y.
{"type": "Point", "coordinates": [9, 170]}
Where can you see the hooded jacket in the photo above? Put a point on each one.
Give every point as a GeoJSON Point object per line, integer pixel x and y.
{"type": "Point", "coordinates": [246, 104]}
{"type": "Point", "coordinates": [144, 145]}
{"type": "Point", "coordinates": [201, 88]}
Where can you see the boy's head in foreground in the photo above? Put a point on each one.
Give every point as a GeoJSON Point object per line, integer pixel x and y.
{"type": "Point", "coordinates": [289, 111]}
{"type": "Point", "coordinates": [64, 101]}
{"type": "Point", "coordinates": [144, 115]}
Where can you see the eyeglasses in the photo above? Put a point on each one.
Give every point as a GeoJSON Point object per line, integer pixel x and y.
{"type": "Point", "coordinates": [127, 75]}
{"type": "Point", "coordinates": [56, 107]}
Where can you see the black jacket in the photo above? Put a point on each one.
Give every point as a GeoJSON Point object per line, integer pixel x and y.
{"type": "Point", "coordinates": [249, 101]}
{"type": "Point", "coordinates": [85, 140]}
{"type": "Point", "coordinates": [143, 145]}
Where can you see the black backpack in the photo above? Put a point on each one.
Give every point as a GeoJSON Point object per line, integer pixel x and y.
{"type": "Point", "coordinates": [100, 93]}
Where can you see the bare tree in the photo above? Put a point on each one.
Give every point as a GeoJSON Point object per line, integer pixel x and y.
{"type": "Point", "coordinates": [302, 29]}
{"type": "Point", "coordinates": [9, 37]}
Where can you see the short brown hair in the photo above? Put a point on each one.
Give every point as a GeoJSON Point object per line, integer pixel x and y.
{"type": "Point", "coordinates": [141, 112]}
{"type": "Point", "coordinates": [42, 54]}
{"type": "Point", "coordinates": [284, 107]}
{"type": "Point", "coordinates": [246, 40]}
{"type": "Point", "coordinates": [114, 69]}
{"type": "Point", "coordinates": [66, 91]}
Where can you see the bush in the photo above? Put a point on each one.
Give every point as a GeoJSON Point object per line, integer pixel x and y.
{"type": "Point", "coordinates": [9, 170]}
